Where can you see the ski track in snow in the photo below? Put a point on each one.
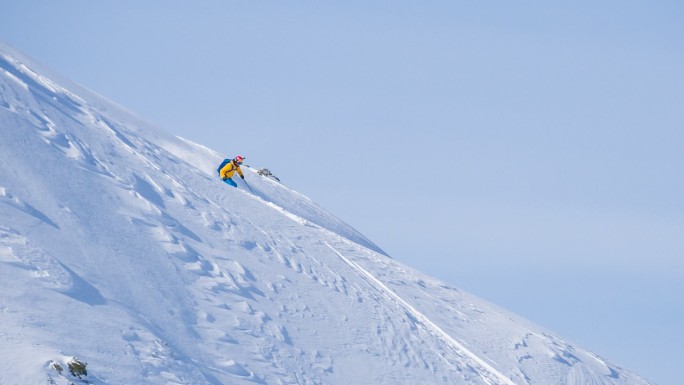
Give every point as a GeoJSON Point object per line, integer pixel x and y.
{"type": "Point", "coordinates": [457, 347]}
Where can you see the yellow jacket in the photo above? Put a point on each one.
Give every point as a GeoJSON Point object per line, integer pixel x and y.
{"type": "Point", "coordinates": [229, 170]}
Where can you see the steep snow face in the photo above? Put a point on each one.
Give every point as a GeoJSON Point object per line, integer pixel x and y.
{"type": "Point", "coordinates": [119, 247]}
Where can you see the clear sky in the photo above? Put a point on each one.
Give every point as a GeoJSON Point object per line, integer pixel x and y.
{"type": "Point", "coordinates": [528, 152]}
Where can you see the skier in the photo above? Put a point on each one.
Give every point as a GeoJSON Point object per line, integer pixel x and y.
{"type": "Point", "coordinates": [228, 168]}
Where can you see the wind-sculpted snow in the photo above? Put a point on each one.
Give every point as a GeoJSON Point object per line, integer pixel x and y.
{"type": "Point", "coordinates": [120, 248]}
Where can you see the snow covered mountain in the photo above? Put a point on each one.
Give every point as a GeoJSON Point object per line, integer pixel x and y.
{"type": "Point", "coordinates": [120, 248]}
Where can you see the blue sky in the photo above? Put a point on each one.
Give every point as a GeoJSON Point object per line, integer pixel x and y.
{"type": "Point", "coordinates": [529, 153]}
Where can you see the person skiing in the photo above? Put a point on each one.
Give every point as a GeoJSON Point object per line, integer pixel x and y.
{"type": "Point", "coordinates": [228, 169]}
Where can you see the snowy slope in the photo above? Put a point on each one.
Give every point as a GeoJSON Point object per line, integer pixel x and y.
{"type": "Point", "coordinates": [118, 246]}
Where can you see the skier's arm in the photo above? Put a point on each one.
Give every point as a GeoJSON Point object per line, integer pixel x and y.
{"type": "Point", "coordinates": [239, 170]}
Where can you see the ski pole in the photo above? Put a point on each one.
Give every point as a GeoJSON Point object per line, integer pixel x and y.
{"type": "Point", "coordinates": [247, 184]}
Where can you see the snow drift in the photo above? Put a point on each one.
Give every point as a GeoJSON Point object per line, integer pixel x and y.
{"type": "Point", "coordinates": [120, 249]}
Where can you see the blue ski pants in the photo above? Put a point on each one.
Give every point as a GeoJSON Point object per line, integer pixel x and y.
{"type": "Point", "coordinates": [230, 182]}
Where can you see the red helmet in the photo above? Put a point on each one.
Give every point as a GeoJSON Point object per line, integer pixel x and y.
{"type": "Point", "coordinates": [239, 159]}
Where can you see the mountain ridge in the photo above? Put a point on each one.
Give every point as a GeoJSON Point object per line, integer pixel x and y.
{"type": "Point", "coordinates": [121, 248]}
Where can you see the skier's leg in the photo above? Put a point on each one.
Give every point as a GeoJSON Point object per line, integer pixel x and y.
{"type": "Point", "coordinates": [230, 182]}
